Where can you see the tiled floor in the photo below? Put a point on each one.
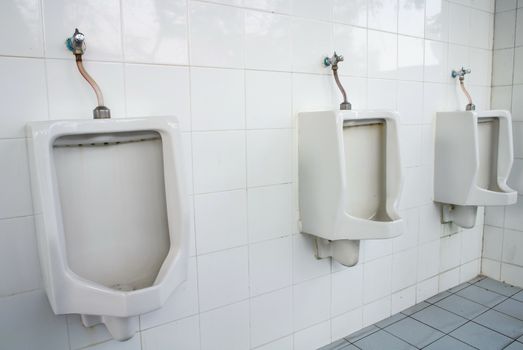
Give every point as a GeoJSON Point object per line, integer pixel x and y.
{"type": "Point", "coordinates": [479, 314]}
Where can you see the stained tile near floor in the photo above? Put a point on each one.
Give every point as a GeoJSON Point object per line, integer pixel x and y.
{"type": "Point", "coordinates": [480, 314]}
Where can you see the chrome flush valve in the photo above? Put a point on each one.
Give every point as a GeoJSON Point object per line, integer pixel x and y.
{"type": "Point", "coordinates": [76, 43]}
{"type": "Point", "coordinates": [461, 75]}
{"type": "Point", "coordinates": [333, 62]}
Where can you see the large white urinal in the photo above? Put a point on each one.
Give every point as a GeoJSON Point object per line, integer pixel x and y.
{"type": "Point", "coordinates": [112, 216]}
{"type": "Point", "coordinates": [349, 179]}
{"type": "Point", "coordinates": [473, 158]}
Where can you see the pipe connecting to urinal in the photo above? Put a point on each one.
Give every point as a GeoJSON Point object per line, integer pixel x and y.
{"type": "Point", "coordinates": [461, 74]}
{"type": "Point", "coordinates": [333, 63]}
{"type": "Point", "coordinates": [76, 44]}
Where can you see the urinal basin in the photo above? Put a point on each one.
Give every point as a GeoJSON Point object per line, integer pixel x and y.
{"type": "Point", "coordinates": [112, 216]}
{"type": "Point", "coordinates": [349, 175]}
{"type": "Point", "coordinates": [473, 158]}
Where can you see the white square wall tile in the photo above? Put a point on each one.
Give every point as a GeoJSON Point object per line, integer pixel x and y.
{"type": "Point", "coordinates": [515, 180]}
{"type": "Point", "coordinates": [512, 274]}
{"type": "Point", "coordinates": [15, 192]}
{"type": "Point", "coordinates": [158, 91]}
{"type": "Point", "coordinates": [279, 6]}
{"type": "Point", "coordinates": [437, 20]}
{"type": "Point", "coordinates": [480, 29]}
{"type": "Point", "coordinates": [426, 289]}
{"type": "Point", "coordinates": [347, 323]}
{"type": "Point", "coordinates": [271, 316]}
{"type": "Point", "coordinates": [469, 270]}
{"type": "Point", "coordinates": [450, 249]}
{"type": "Point", "coordinates": [505, 5]}
{"type": "Point", "coordinates": [268, 100]}
{"type": "Point", "coordinates": [270, 265]}
{"type": "Point", "coordinates": [383, 15]}
{"type": "Point", "coordinates": [410, 135]}
{"type": "Point", "coordinates": [99, 20]}
{"type": "Point", "coordinates": [182, 334]}
{"type": "Point", "coordinates": [221, 154]}
{"type": "Point", "coordinates": [448, 279]}
{"type": "Point", "coordinates": [491, 268]}
{"type": "Point", "coordinates": [132, 344]}
{"type": "Point", "coordinates": [504, 24]}
{"type": "Point", "coordinates": [27, 322]}
{"type": "Point", "coordinates": [403, 269]}
{"type": "Point", "coordinates": [311, 41]}
{"type": "Point", "coordinates": [269, 212]}
{"type": "Point", "coordinates": [513, 247]}
{"type": "Point", "coordinates": [428, 260]}
{"type": "Point", "coordinates": [517, 130]}
{"type": "Point", "coordinates": [411, 17]}
{"type": "Point", "coordinates": [21, 33]}
{"type": "Point", "coordinates": [494, 216]}
{"type": "Point", "coordinates": [264, 33]}
{"type": "Point", "coordinates": [221, 220]}
{"type": "Point", "coordinates": [312, 93]}
{"type": "Point", "coordinates": [459, 24]}
{"type": "Point", "coordinates": [307, 313]}
{"type": "Point", "coordinates": [502, 67]}
{"type": "Point", "coordinates": [215, 105]}
{"type": "Point", "coordinates": [21, 78]}
{"type": "Point", "coordinates": [313, 337]}
{"type": "Point", "coordinates": [409, 237]}
{"type": "Point", "coordinates": [351, 42]}
{"type": "Point", "coordinates": [269, 157]}
{"type": "Point", "coordinates": [403, 299]}
{"type": "Point", "coordinates": [321, 10]}
{"type": "Point", "coordinates": [492, 242]}
{"type": "Point", "coordinates": [519, 26]}
{"type": "Point", "coordinates": [223, 277]}
{"type": "Point", "coordinates": [183, 302]}
{"type": "Point", "coordinates": [377, 279]}
{"type": "Point", "coordinates": [215, 42]}
{"type": "Point", "coordinates": [410, 58]}
{"type": "Point", "coordinates": [517, 103]}
{"type": "Point", "coordinates": [382, 55]}
{"type": "Point", "coordinates": [350, 12]}
{"type": "Point", "coordinates": [513, 217]}
{"type": "Point", "coordinates": [165, 21]}
{"type": "Point", "coordinates": [481, 65]}
{"type": "Point", "coordinates": [18, 248]}
{"type": "Point", "coordinates": [518, 64]}
{"type": "Point", "coordinates": [225, 328]}
{"type": "Point", "coordinates": [436, 62]}
{"type": "Point", "coordinates": [70, 96]}
{"type": "Point", "coordinates": [376, 311]}
{"type": "Point", "coordinates": [347, 290]}
{"type": "Point", "coordinates": [382, 94]}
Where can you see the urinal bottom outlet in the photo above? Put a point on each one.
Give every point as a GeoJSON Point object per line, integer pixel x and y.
{"type": "Point", "coordinates": [344, 251]}
{"type": "Point", "coordinates": [121, 328]}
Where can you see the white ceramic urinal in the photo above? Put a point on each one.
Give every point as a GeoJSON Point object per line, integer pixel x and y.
{"type": "Point", "coordinates": [112, 216]}
{"type": "Point", "coordinates": [473, 158]}
{"type": "Point", "coordinates": [349, 179]}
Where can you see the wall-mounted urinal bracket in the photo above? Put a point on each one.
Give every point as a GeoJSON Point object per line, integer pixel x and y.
{"type": "Point", "coordinates": [76, 44]}
{"type": "Point", "coordinates": [345, 251]}
{"type": "Point", "coordinates": [461, 215]}
{"type": "Point", "coordinates": [333, 62]}
{"type": "Point", "coordinates": [461, 74]}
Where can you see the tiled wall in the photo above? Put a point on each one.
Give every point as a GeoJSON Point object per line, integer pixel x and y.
{"type": "Point", "coordinates": [503, 236]}
{"type": "Point", "coordinates": [236, 72]}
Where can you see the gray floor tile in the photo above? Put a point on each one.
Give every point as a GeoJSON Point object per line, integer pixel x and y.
{"type": "Point", "coordinates": [507, 325]}
{"type": "Point", "coordinates": [438, 297]}
{"type": "Point", "coordinates": [481, 296]}
{"type": "Point", "coordinates": [382, 340]}
{"type": "Point", "coordinates": [459, 287]}
{"type": "Point", "coordinates": [480, 337]}
{"type": "Point", "coordinates": [362, 333]}
{"type": "Point", "coordinates": [461, 306]}
{"type": "Point", "coordinates": [415, 308]}
{"type": "Point", "coordinates": [498, 287]}
{"type": "Point", "coordinates": [341, 344]}
{"type": "Point", "coordinates": [448, 343]}
{"type": "Point", "coordinates": [518, 296]}
{"type": "Point", "coordinates": [520, 339]}
{"type": "Point", "coordinates": [515, 346]}
{"type": "Point", "coordinates": [414, 332]}
{"type": "Point", "coordinates": [511, 307]}
{"type": "Point", "coordinates": [390, 320]}
{"type": "Point", "coordinates": [440, 319]}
